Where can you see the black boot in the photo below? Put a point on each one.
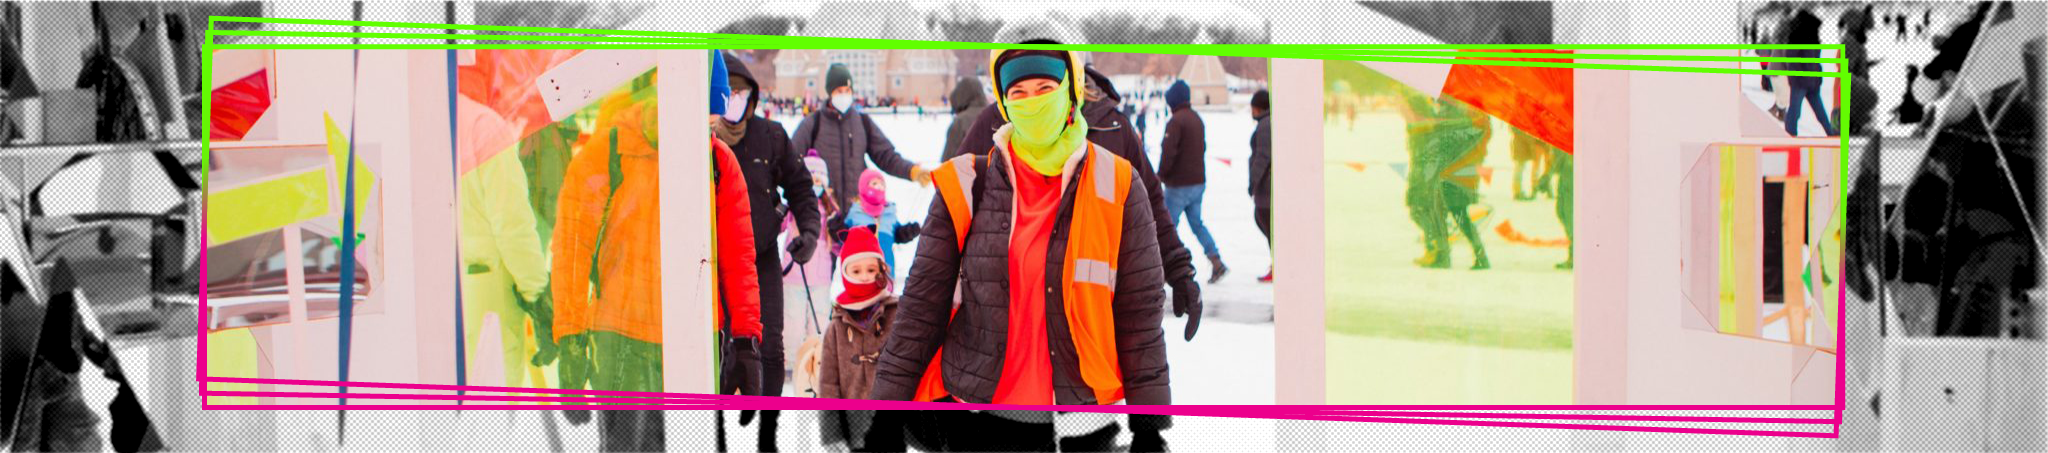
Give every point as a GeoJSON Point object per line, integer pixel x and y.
{"type": "Point", "coordinates": [1216, 269]}
{"type": "Point", "coordinates": [767, 431]}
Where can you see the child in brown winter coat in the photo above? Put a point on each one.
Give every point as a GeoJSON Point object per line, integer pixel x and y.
{"type": "Point", "coordinates": [860, 322]}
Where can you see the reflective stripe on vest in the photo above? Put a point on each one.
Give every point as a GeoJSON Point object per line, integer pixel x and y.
{"type": "Point", "coordinates": [956, 178]}
{"type": "Point", "coordinates": [1094, 240]}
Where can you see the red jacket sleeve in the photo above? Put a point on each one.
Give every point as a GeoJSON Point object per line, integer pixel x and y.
{"type": "Point", "coordinates": [738, 282]}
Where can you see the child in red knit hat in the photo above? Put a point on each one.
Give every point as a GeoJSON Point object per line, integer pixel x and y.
{"type": "Point", "coordinates": [860, 321]}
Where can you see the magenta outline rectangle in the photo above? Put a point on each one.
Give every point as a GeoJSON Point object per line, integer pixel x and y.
{"type": "Point", "coordinates": [1230, 411]}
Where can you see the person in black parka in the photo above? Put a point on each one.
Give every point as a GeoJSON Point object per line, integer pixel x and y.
{"type": "Point", "coordinates": [1261, 182]}
{"type": "Point", "coordinates": [770, 166]}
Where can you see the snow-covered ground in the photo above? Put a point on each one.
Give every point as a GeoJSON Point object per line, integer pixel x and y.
{"type": "Point", "coordinates": [1399, 333]}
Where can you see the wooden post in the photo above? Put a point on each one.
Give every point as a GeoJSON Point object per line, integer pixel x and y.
{"type": "Point", "coordinates": [1747, 240]}
{"type": "Point", "coordinates": [1794, 238]}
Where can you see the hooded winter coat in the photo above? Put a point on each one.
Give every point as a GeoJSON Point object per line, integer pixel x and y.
{"type": "Point", "coordinates": [771, 165]}
{"type": "Point", "coordinates": [1183, 149]}
{"type": "Point", "coordinates": [975, 338]}
{"type": "Point", "coordinates": [847, 141]}
{"type": "Point", "coordinates": [969, 99]}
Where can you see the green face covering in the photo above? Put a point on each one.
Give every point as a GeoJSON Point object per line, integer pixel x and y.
{"type": "Point", "coordinates": [1039, 132]}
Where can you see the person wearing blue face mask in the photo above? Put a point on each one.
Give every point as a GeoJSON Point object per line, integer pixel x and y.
{"type": "Point", "coordinates": [775, 175]}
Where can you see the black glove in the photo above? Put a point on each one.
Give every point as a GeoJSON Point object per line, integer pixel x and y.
{"type": "Point", "coordinates": [801, 248]}
{"type": "Point", "coordinates": [542, 312]}
{"type": "Point", "coordinates": [835, 228]}
{"type": "Point", "coordinates": [1145, 430]}
{"type": "Point", "coordinates": [1147, 442]}
{"type": "Point", "coordinates": [577, 417]}
{"type": "Point", "coordinates": [575, 370]}
{"type": "Point", "coordinates": [907, 232]}
{"type": "Point", "coordinates": [740, 371]}
{"type": "Point", "coordinates": [1187, 301]}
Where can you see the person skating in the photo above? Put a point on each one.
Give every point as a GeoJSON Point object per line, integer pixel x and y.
{"type": "Point", "coordinates": [769, 166]}
{"type": "Point", "coordinates": [1109, 130]}
{"type": "Point", "coordinates": [1261, 181]}
{"type": "Point", "coordinates": [1183, 166]}
{"type": "Point", "coordinates": [1804, 28]}
{"type": "Point", "coordinates": [1103, 270]}
{"type": "Point", "coordinates": [1440, 134]}
{"type": "Point", "coordinates": [847, 139]}
{"type": "Point", "coordinates": [1461, 187]}
{"type": "Point", "coordinates": [1533, 156]}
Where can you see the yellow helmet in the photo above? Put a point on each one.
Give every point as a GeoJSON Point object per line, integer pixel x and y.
{"type": "Point", "coordinates": [1076, 88]}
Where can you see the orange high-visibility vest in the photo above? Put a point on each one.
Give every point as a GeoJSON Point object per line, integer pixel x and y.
{"type": "Point", "coordinates": [1088, 283]}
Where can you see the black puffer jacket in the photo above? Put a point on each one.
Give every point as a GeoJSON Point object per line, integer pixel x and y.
{"type": "Point", "coordinates": [975, 338]}
{"type": "Point", "coordinates": [1109, 129]}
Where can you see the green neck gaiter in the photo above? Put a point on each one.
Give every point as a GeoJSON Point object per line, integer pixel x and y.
{"type": "Point", "coordinates": [1040, 133]}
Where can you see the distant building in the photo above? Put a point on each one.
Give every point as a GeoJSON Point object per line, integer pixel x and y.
{"type": "Point", "coordinates": [1208, 83]}
{"type": "Point", "coordinates": [923, 75]}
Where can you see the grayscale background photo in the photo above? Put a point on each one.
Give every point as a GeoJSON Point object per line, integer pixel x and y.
{"type": "Point", "coordinates": [1943, 258]}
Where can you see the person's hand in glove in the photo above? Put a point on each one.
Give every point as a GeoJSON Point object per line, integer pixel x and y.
{"type": "Point", "coordinates": [740, 371]}
{"type": "Point", "coordinates": [835, 228]}
{"type": "Point", "coordinates": [1187, 301]}
{"type": "Point", "coordinates": [921, 176]}
{"type": "Point", "coordinates": [542, 313]}
{"type": "Point", "coordinates": [1145, 436]}
{"type": "Point", "coordinates": [575, 371]}
{"type": "Point", "coordinates": [906, 232]}
{"type": "Point", "coordinates": [802, 247]}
